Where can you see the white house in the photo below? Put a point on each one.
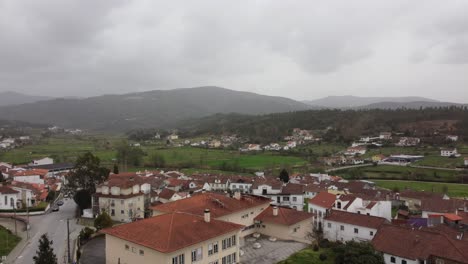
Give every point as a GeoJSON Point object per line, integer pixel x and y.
{"type": "Point", "coordinates": [29, 176]}
{"type": "Point", "coordinates": [321, 205]}
{"type": "Point", "coordinates": [240, 185]}
{"type": "Point", "coordinates": [43, 161]}
{"type": "Point", "coordinates": [449, 152]}
{"type": "Point", "coordinates": [356, 204]}
{"type": "Point", "coordinates": [452, 138]}
{"type": "Point", "coordinates": [8, 198]}
{"type": "Point", "coordinates": [266, 187]}
{"type": "Point", "coordinates": [344, 226]}
{"type": "Point", "coordinates": [291, 195]}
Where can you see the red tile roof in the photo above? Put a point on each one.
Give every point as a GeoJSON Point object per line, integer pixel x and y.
{"type": "Point", "coordinates": [166, 194]}
{"type": "Point", "coordinates": [292, 188]}
{"type": "Point", "coordinates": [218, 204]}
{"type": "Point", "coordinates": [286, 216]}
{"type": "Point", "coordinates": [170, 232]}
{"type": "Point", "coordinates": [324, 199]}
{"type": "Point", "coordinates": [418, 244]}
{"type": "Point", "coordinates": [33, 172]}
{"type": "Point", "coordinates": [7, 190]}
{"type": "Point", "coordinates": [355, 219]}
{"type": "Point", "coordinates": [441, 205]}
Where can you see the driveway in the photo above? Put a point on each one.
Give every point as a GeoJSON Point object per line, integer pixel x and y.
{"type": "Point", "coordinates": [270, 252]}
{"type": "Point", "coordinates": [93, 252]}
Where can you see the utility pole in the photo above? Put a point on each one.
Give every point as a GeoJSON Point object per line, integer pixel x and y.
{"type": "Point", "coordinates": [27, 213]}
{"type": "Point", "coordinates": [68, 240]}
{"type": "Point", "coordinates": [14, 210]}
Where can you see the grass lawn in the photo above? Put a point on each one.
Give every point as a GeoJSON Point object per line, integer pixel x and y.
{"type": "Point", "coordinates": [308, 256]}
{"type": "Point", "coordinates": [442, 162]}
{"type": "Point", "coordinates": [8, 241]}
{"type": "Point", "coordinates": [389, 172]}
{"type": "Point", "coordinates": [454, 189]}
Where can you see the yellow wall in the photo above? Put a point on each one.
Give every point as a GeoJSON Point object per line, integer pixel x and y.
{"type": "Point", "coordinates": [115, 249]}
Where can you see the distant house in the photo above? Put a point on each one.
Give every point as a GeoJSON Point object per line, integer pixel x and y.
{"type": "Point", "coordinates": [43, 161]}
{"type": "Point", "coordinates": [449, 152]}
{"type": "Point", "coordinates": [452, 138]}
{"type": "Point", "coordinates": [408, 142]}
{"type": "Point", "coordinates": [35, 176]}
{"type": "Point", "coordinates": [357, 150]}
{"type": "Point", "coordinates": [385, 135]}
{"type": "Point", "coordinates": [360, 204]}
{"type": "Point", "coordinates": [378, 157]}
{"type": "Point", "coordinates": [173, 136]}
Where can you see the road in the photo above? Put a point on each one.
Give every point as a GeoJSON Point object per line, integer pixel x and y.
{"type": "Point", "coordinates": [349, 167]}
{"type": "Point", "coordinates": [55, 225]}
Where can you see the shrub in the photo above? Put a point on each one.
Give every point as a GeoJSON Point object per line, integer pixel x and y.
{"type": "Point", "coordinates": [86, 233]}
{"type": "Point", "coordinates": [316, 247]}
{"type": "Point", "coordinates": [322, 256]}
{"type": "Point", "coordinates": [325, 243]}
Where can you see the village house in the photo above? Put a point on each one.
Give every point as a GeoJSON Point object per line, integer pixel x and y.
{"type": "Point", "coordinates": [321, 205]}
{"type": "Point", "coordinates": [240, 209]}
{"type": "Point", "coordinates": [441, 206]}
{"type": "Point", "coordinates": [378, 158]}
{"type": "Point", "coordinates": [413, 246]}
{"type": "Point", "coordinates": [124, 197]}
{"type": "Point", "coordinates": [216, 184]}
{"type": "Point", "coordinates": [356, 203]}
{"type": "Point", "coordinates": [285, 223]}
{"type": "Point", "coordinates": [413, 199]}
{"type": "Point", "coordinates": [408, 142]}
{"type": "Point", "coordinates": [449, 152]}
{"type": "Point", "coordinates": [28, 193]}
{"type": "Point", "coordinates": [34, 176]}
{"type": "Point", "coordinates": [452, 138]}
{"type": "Point", "coordinates": [357, 150]}
{"type": "Point", "coordinates": [43, 161]}
{"type": "Point", "coordinates": [8, 198]}
{"type": "Point", "coordinates": [240, 184]}
{"type": "Point", "coordinates": [385, 135]}
{"type": "Point", "coordinates": [168, 195]}
{"type": "Point", "coordinates": [175, 237]}
{"type": "Point", "coordinates": [265, 187]}
{"type": "Point", "coordinates": [345, 226]}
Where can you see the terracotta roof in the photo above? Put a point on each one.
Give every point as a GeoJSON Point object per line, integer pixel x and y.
{"type": "Point", "coordinates": [355, 219]}
{"type": "Point", "coordinates": [286, 216]}
{"type": "Point", "coordinates": [170, 232]}
{"type": "Point", "coordinates": [7, 190]}
{"type": "Point", "coordinates": [418, 244]}
{"type": "Point", "coordinates": [323, 199]}
{"type": "Point", "coordinates": [125, 180]}
{"type": "Point", "coordinates": [441, 205]}
{"type": "Point", "coordinates": [419, 195]}
{"type": "Point", "coordinates": [292, 188]}
{"type": "Point", "coordinates": [218, 204]}
{"type": "Point", "coordinates": [166, 194]}
{"type": "Point", "coordinates": [33, 172]}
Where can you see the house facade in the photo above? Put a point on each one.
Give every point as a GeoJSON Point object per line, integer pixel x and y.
{"type": "Point", "coordinates": [8, 198]}
{"type": "Point", "coordinates": [176, 238]}
{"type": "Point", "coordinates": [344, 226]}
{"type": "Point", "coordinates": [321, 205]}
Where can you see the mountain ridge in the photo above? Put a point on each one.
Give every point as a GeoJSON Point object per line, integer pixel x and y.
{"type": "Point", "coordinates": [350, 101]}
{"type": "Point", "coordinates": [15, 98]}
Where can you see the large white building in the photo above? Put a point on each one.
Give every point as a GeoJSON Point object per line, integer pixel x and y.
{"type": "Point", "coordinates": [344, 226]}
{"type": "Point", "coordinates": [8, 198]}
{"type": "Point", "coordinates": [355, 204]}
{"type": "Point", "coordinates": [321, 205]}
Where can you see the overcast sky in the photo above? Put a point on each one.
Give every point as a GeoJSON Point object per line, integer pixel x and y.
{"type": "Point", "coordinates": [298, 49]}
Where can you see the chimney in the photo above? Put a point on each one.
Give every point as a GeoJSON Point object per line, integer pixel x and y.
{"type": "Point", "coordinates": [207, 215]}
{"type": "Point", "coordinates": [237, 195]}
{"type": "Point", "coordinates": [275, 211]}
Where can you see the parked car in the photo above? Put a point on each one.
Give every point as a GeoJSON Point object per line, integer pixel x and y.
{"type": "Point", "coordinates": [55, 209]}
{"type": "Point", "coordinates": [60, 203]}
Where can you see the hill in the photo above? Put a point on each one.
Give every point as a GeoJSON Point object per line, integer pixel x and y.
{"type": "Point", "coordinates": [407, 105]}
{"type": "Point", "coordinates": [356, 101]}
{"type": "Point", "coordinates": [14, 98]}
{"type": "Point", "coordinates": [152, 109]}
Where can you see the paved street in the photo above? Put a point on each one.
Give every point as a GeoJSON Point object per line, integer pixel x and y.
{"type": "Point", "coordinates": [55, 225]}
{"type": "Point", "coordinates": [93, 251]}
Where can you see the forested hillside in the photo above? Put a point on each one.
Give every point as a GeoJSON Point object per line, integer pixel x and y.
{"type": "Point", "coordinates": [343, 125]}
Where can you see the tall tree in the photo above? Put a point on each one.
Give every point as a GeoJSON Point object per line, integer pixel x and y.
{"type": "Point", "coordinates": [87, 173]}
{"type": "Point", "coordinates": [284, 176]}
{"type": "Point", "coordinates": [103, 221]}
{"type": "Point", "coordinates": [45, 254]}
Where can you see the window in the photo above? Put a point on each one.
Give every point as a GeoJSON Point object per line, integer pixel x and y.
{"type": "Point", "coordinates": [228, 242]}
{"type": "Point", "coordinates": [294, 199]}
{"type": "Point", "coordinates": [127, 247]}
{"type": "Point", "coordinates": [214, 262]}
{"type": "Point", "coordinates": [338, 205]}
{"type": "Point", "coordinates": [233, 240]}
{"type": "Point", "coordinates": [122, 202]}
{"type": "Point", "coordinates": [329, 225]}
{"type": "Point", "coordinates": [197, 254]}
{"type": "Point", "coordinates": [133, 250]}
{"type": "Point", "coordinates": [342, 228]}
{"type": "Point", "coordinates": [212, 248]}
{"type": "Point", "coordinates": [403, 261]}
{"type": "Point", "coordinates": [142, 253]}
{"type": "Point", "coordinates": [264, 191]}
{"type": "Point", "coordinates": [356, 231]}
{"type": "Point", "coordinates": [6, 200]}
{"type": "Point", "coordinates": [112, 212]}
{"type": "Point", "coordinates": [392, 260]}
{"type": "Point", "coordinates": [371, 233]}
{"type": "Point", "coordinates": [229, 259]}
{"type": "Point", "coordinates": [359, 212]}
{"type": "Point", "coordinates": [286, 199]}
{"type": "Point", "coordinates": [180, 259]}
{"type": "Point", "coordinates": [122, 211]}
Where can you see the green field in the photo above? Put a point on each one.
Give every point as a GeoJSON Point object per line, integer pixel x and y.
{"type": "Point", "coordinates": [308, 256]}
{"type": "Point", "coordinates": [389, 172]}
{"type": "Point", "coordinates": [441, 162]}
{"type": "Point", "coordinates": [218, 159]}
{"type": "Point", "coordinates": [62, 149]}
{"type": "Point", "coordinates": [8, 241]}
{"type": "Point", "coordinates": [454, 189]}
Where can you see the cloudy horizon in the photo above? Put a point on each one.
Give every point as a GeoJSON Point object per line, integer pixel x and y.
{"type": "Point", "coordinates": [303, 50]}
